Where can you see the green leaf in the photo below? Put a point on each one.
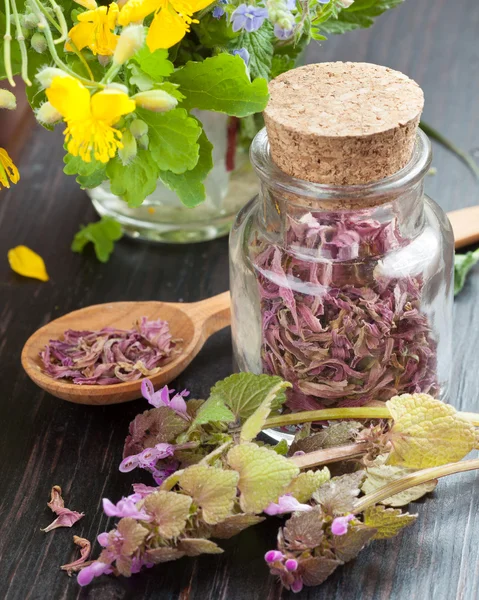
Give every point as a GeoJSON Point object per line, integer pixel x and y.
{"type": "Point", "coordinates": [35, 93]}
{"type": "Point", "coordinates": [89, 175]}
{"type": "Point", "coordinates": [155, 64]}
{"type": "Point", "coordinates": [388, 522]}
{"type": "Point", "coordinates": [221, 84]}
{"type": "Point", "coordinates": [234, 525]}
{"type": "Point", "coordinates": [169, 511]}
{"type": "Point", "coordinates": [264, 475]}
{"type": "Point", "coordinates": [281, 448]}
{"type": "Point", "coordinates": [360, 14]}
{"type": "Point", "coordinates": [136, 181]}
{"type": "Point", "coordinates": [92, 181]}
{"type": "Point", "coordinates": [173, 139]}
{"type": "Point", "coordinates": [101, 234]}
{"type": "Point", "coordinates": [305, 484]}
{"type": "Point", "coordinates": [338, 495]}
{"type": "Point", "coordinates": [214, 32]}
{"type": "Point", "coordinates": [255, 422]}
{"type": "Point", "coordinates": [212, 489]}
{"type": "Point", "coordinates": [189, 185]}
{"type": "Point", "coordinates": [378, 476]}
{"type": "Point", "coordinates": [426, 432]}
{"type": "Point", "coordinates": [463, 263]}
{"type": "Point", "coordinates": [280, 64]}
{"type": "Point", "coordinates": [213, 410]}
{"type": "Point", "coordinates": [348, 546]}
{"type": "Point", "coordinates": [244, 392]}
{"type": "Point", "coordinates": [259, 44]}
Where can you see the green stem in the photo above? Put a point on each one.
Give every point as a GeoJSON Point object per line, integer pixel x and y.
{"type": "Point", "coordinates": [49, 18]}
{"type": "Point", "coordinates": [435, 135]}
{"type": "Point", "coordinates": [7, 38]}
{"type": "Point", "coordinates": [63, 27]}
{"type": "Point", "coordinates": [110, 74]}
{"type": "Point", "coordinates": [216, 452]}
{"type": "Point", "coordinates": [21, 42]}
{"type": "Point", "coordinates": [82, 60]}
{"type": "Point", "coordinates": [409, 481]}
{"type": "Point", "coordinates": [332, 414]}
{"type": "Point", "coordinates": [329, 455]}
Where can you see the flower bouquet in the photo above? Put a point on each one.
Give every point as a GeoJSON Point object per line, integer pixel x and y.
{"type": "Point", "coordinates": [133, 83]}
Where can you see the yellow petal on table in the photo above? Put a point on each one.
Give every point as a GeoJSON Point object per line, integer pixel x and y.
{"type": "Point", "coordinates": [27, 263]}
{"type": "Point", "coordinates": [8, 171]}
{"type": "Point", "coordinates": [110, 104]}
{"type": "Point", "coordinates": [166, 30]}
{"type": "Point", "coordinates": [69, 97]}
{"type": "Point", "coordinates": [136, 10]}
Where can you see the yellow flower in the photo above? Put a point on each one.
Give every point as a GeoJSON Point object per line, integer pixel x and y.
{"type": "Point", "coordinates": [89, 119]}
{"type": "Point", "coordinates": [90, 4]}
{"type": "Point", "coordinates": [171, 21]}
{"type": "Point", "coordinates": [27, 263]}
{"type": "Point", "coordinates": [8, 171]}
{"type": "Point", "coordinates": [95, 30]}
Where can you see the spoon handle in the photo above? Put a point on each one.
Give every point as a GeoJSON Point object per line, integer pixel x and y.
{"type": "Point", "coordinates": [465, 224]}
{"type": "Point", "coordinates": [214, 313]}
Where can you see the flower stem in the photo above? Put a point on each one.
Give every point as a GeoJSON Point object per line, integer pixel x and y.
{"type": "Point", "coordinates": [329, 455]}
{"type": "Point", "coordinates": [7, 38]}
{"type": "Point", "coordinates": [216, 452]}
{"type": "Point", "coordinates": [63, 27]}
{"type": "Point", "coordinates": [332, 414]}
{"type": "Point", "coordinates": [21, 42]}
{"type": "Point", "coordinates": [82, 60]}
{"type": "Point", "coordinates": [395, 487]}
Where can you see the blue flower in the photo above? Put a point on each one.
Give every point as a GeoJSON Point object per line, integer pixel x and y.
{"type": "Point", "coordinates": [249, 18]}
{"type": "Point", "coordinates": [243, 53]}
{"type": "Point", "coordinates": [282, 34]}
{"type": "Point", "coordinates": [218, 12]}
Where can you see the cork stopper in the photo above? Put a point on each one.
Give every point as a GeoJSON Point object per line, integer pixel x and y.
{"type": "Point", "coordinates": [342, 123]}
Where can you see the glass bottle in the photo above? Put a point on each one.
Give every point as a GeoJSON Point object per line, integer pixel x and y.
{"type": "Point", "coordinates": [346, 291]}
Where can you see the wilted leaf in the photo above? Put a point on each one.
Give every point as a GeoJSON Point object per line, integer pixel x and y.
{"type": "Point", "coordinates": [337, 496]}
{"type": "Point", "coordinates": [255, 422]}
{"type": "Point", "coordinates": [77, 565]}
{"type": "Point", "coordinates": [347, 546]}
{"type": "Point", "coordinates": [305, 530]}
{"type": "Point", "coordinates": [387, 521]}
{"type": "Point", "coordinates": [264, 475]}
{"type": "Point", "coordinates": [132, 534]}
{"type": "Point", "coordinates": [195, 547]}
{"type": "Point", "coordinates": [306, 483]}
{"type": "Point", "coordinates": [315, 570]}
{"type": "Point", "coordinates": [170, 512]}
{"type": "Point", "coordinates": [244, 392]}
{"type": "Point", "coordinates": [123, 564]}
{"type": "Point", "coordinates": [379, 476]}
{"type": "Point", "coordinates": [336, 434]}
{"type": "Point", "coordinates": [212, 489]}
{"type": "Point", "coordinates": [427, 433]}
{"type": "Point", "coordinates": [234, 525]}
{"type": "Point", "coordinates": [165, 554]}
{"type": "Point", "coordinates": [155, 426]}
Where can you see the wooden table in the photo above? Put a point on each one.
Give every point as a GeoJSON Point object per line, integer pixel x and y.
{"type": "Point", "coordinates": [44, 441]}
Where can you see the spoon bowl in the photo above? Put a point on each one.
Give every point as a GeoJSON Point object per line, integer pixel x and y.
{"type": "Point", "coordinates": [191, 323]}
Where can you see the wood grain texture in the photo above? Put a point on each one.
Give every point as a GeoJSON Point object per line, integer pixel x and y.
{"type": "Point", "coordinates": [46, 442]}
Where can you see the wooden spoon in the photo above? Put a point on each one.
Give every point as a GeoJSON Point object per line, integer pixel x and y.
{"type": "Point", "coordinates": [465, 224]}
{"type": "Point", "coordinates": [193, 323]}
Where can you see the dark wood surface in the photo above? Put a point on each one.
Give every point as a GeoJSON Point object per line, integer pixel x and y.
{"type": "Point", "coordinates": [44, 441]}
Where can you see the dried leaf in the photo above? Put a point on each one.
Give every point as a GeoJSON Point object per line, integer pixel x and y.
{"type": "Point", "coordinates": [427, 433]}
{"type": "Point", "coordinates": [348, 546]}
{"type": "Point", "coordinates": [212, 489]}
{"type": "Point", "coordinates": [27, 263]}
{"type": "Point", "coordinates": [170, 512]}
{"type": "Point", "coordinates": [317, 569]}
{"type": "Point", "coordinates": [388, 522]}
{"type": "Point", "coordinates": [123, 564]}
{"type": "Point", "coordinates": [378, 476]}
{"type": "Point", "coordinates": [234, 525]}
{"type": "Point", "coordinates": [165, 554]}
{"type": "Point", "coordinates": [66, 517]}
{"type": "Point", "coordinates": [195, 547]}
{"type": "Point", "coordinates": [264, 475]}
{"type": "Point", "coordinates": [306, 483]}
{"type": "Point", "coordinates": [132, 534]}
{"type": "Point", "coordinates": [337, 495]}
{"type": "Point", "coordinates": [255, 422]}
{"type": "Point", "coordinates": [336, 434]}
{"type": "Point", "coordinates": [305, 530]}
{"type": "Point", "coordinates": [76, 565]}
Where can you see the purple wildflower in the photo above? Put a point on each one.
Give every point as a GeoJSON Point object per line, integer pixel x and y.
{"type": "Point", "coordinates": [162, 397]}
{"type": "Point", "coordinates": [142, 491]}
{"type": "Point", "coordinates": [102, 539]}
{"type": "Point", "coordinates": [218, 12]}
{"type": "Point", "coordinates": [286, 504]}
{"type": "Point", "coordinates": [124, 508]}
{"type": "Point", "coordinates": [97, 568]}
{"type": "Point", "coordinates": [297, 585]}
{"type": "Point", "coordinates": [339, 526]}
{"type": "Point", "coordinates": [282, 34]}
{"type": "Point", "coordinates": [249, 18]}
{"type": "Point", "coordinates": [291, 564]}
{"type": "Point", "coordinates": [243, 53]}
{"type": "Point", "coordinates": [273, 556]}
